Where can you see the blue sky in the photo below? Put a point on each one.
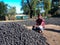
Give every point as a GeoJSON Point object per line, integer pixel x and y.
{"type": "Point", "coordinates": [16, 3]}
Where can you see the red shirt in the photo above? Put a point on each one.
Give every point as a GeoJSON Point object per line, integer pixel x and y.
{"type": "Point", "coordinates": [38, 21]}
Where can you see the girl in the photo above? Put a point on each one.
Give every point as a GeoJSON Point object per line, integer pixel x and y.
{"type": "Point", "coordinates": [40, 24]}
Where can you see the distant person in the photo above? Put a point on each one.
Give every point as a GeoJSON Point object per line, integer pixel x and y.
{"type": "Point", "coordinates": [40, 24]}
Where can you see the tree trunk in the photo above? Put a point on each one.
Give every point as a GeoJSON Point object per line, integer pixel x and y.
{"type": "Point", "coordinates": [31, 13]}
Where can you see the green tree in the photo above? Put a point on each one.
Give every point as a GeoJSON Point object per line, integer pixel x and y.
{"type": "Point", "coordinates": [12, 10]}
{"type": "Point", "coordinates": [47, 6]}
{"type": "Point", "coordinates": [29, 7]}
{"type": "Point", "coordinates": [3, 9]}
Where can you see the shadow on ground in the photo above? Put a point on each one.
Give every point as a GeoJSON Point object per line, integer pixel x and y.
{"type": "Point", "coordinates": [58, 31]}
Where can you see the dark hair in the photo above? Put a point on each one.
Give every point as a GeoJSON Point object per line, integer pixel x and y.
{"type": "Point", "coordinates": [39, 15]}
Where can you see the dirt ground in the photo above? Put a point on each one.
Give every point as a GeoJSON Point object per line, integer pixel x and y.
{"type": "Point", "coordinates": [52, 34]}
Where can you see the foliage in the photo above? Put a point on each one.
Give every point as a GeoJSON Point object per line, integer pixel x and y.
{"type": "Point", "coordinates": [12, 10]}
{"type": "Point", "coordinates": [53, 10]}
{"type": "Point", "coordinates": [47, 6]}
{"type": "Point", "coordinates": [29, 7]}
{"type": "Point", "coordinates": [3, 9]}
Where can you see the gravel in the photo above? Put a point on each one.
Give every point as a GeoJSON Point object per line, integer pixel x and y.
{"type": "Point", "coordinates": [14, 33]}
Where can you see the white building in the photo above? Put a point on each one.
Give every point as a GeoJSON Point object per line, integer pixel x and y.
{"type": "Point", "coordinates": [22, 16]}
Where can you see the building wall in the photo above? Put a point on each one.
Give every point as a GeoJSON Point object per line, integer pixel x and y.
{"type": "Point", "coordinates": [19, 17]}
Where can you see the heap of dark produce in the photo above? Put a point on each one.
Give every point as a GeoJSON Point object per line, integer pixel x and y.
{"type": "Point", "coordinates": [27, 22]}
{"type": "Point", "coordinates": [13, 33]}
{"type": "Point", "coordinates": [54, 21]}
